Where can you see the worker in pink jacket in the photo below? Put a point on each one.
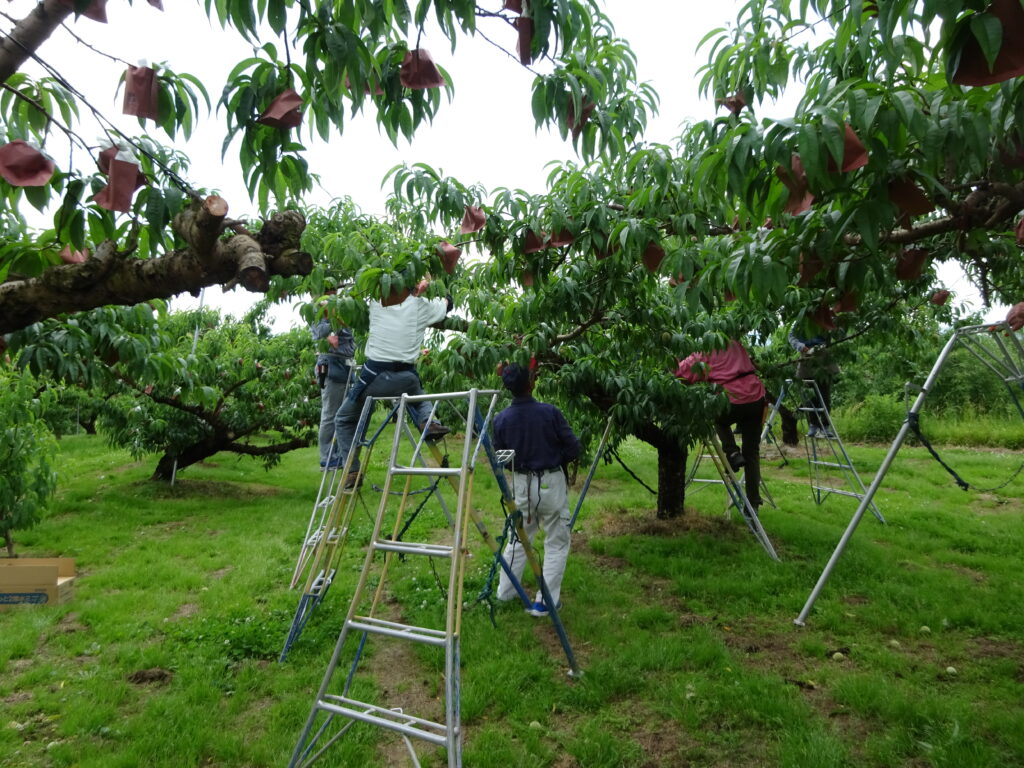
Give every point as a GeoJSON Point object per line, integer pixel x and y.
{"type": "Point", "coordinates": [733, 370]}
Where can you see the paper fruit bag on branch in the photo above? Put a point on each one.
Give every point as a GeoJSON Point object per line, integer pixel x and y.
{"type": "Point", "coordinates": [140, 96]}
{"type": "Point", "coordinates": [124, 176]}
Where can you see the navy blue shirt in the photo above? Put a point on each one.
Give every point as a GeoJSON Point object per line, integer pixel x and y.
{"type": "Point", "coordinates": [537, 432]}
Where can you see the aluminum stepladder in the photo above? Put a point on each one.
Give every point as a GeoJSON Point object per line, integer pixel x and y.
{"type": "Point", "coordinates": [707, 452]}
{"type": "Point", "coordinates": [1007, 363]}
{"type": "Point", "coordinates": [333, 714]}
{"type": "Point", "coordinates": [733, 485]}
{"type": "Point", "coordinates": [331, 518]}
{"type": "Point", "coordinates": [768, 430]}
{"type": "Point", "coordinates": [821, 459]}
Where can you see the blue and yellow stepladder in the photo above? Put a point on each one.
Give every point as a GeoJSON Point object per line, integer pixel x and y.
{"type": "Point", "coordinates": [335, 711]}
{"type": "Point", "coordinates": [331, 520]}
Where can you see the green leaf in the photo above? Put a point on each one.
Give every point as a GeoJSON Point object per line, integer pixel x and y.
{"type": "Point", "coordinates": [988, 31]}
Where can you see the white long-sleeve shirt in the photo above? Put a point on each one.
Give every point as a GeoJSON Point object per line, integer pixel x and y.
{"type": "Point", "coordinates": [396, 332]}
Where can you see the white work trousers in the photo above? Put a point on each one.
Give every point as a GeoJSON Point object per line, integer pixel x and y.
{"type": "Point", "coordinates": [544, 503]}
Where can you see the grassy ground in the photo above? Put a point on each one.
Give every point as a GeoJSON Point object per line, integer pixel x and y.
{"type": "Point", "coordinates": [167, 656]}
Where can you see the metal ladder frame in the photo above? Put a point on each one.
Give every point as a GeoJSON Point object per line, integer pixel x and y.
{"type": "Point", "coordinates": [737, 495]}
{"type": "Point", "coordinates": [701, 454]}
{"type": "Point", "coordinates": [817, 459]}
{"type": "Point", "coordinates": [449, 735]}
{"type": "Point", "coordinates": [965, 335]}
{"type": "Point", "coordinates": [331, 518]}
{"type": "Point", "coordinates": [768, 429]}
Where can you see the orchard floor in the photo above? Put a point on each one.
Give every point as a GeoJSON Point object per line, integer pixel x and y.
{"type": "Point", "coordinates": [168, 653]}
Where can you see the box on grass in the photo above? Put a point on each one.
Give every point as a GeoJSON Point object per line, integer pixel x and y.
{"type": "Point", "coordinates": [36, 581]}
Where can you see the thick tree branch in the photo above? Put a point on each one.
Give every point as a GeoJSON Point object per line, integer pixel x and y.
{"type": "Point", "coordinates": [28, 34]}
{"type": "Point", "coordinates": [267, 450]}
{"type": "Point", "coordinates": [107, 278]}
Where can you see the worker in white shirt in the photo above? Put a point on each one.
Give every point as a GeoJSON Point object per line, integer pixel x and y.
{"type": "Point", "coordinates": [393, 345]}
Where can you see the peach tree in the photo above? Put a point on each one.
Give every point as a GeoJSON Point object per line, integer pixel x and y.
{"type": "Point", "coordinates": [185, 385]}
{"type": "Point", "coordinates": [130, 219]}
{"type": "Point", "coordinates": [27, 451]}
{"type": "Point", "coordinates": [903, 152]}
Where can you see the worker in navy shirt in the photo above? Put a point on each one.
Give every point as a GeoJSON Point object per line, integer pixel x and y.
{"type": "Point", "coordinates": [543, 443]}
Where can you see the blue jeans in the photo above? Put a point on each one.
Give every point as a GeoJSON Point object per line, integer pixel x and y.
{"type": "Point", "coordinates": [331, 397]}
{"type": "Point", "coordinates": [374, 384]}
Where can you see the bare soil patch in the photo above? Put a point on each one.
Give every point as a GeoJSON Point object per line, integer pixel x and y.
{"type": "Point", "coordinates": [185, 611]}
{"type": "Point", "coordinates": [68, 624]}
{"type": "Point", "coordinates": [185, 488]}
{"type": "Point", "coordinates": [403, 682]}
{"type": "Point", "coordinates": [151, 676]}
{"type": "Point", "coordinates": [623, 523]}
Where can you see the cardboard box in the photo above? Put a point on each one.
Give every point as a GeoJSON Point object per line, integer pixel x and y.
{"type": "Point", "coordinates": [36, 581]}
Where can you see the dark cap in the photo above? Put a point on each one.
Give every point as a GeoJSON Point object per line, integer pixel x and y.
{"type": "Point", "coordinates": [515, 377]}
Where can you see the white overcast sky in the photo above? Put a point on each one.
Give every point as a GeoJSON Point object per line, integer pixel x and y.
{"type": "Point", "coordinates": [484, 135]}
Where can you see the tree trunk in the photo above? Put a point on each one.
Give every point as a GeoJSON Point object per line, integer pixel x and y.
{"type": "Point", "coordinates": [9, 542]}
{"type": "Point", "coordinates": [671, 480]}
{"type": "Point", "coordinates": [193, 454]}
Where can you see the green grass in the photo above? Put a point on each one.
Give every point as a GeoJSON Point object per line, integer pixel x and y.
{"type": "Point", "coordinates": [684, 628]}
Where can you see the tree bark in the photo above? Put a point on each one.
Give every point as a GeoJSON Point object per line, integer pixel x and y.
{"type": "Point", "coordinates": [28, 34]}
{"type": "Point", "coordinates": [112, 278]}
{"type": "Point", "coordinates": [9, 543]}
{"type": "Point", "coordinates": [671, 480]}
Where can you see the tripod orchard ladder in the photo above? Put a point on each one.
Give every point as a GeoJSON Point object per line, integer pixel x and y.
{"type": "Point", "coordinates": [826, 452]}
{"type": "Point", "coordinates": [707, 452]}
{"type": "Point", "coordinates": [334, 713]}
{"type": "Point", "coordinates": [331, 518]}
{"type": "Point", "coordinates": [1006, 360]}
{"type": "Point", "coordinates": [737, 496]}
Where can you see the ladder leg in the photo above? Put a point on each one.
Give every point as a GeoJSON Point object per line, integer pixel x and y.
{"type": "Point", "coordinates": [738, 496]}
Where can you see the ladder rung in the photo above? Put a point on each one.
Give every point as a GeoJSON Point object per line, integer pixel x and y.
{"type": "Point", "coordinates": [832, 464]}
{"type": "Point", "coordinates": [429, 471]}
{"type": "Point", "coordinates": [417, 727]}
{"type": "Point", "coordinates": [413, 548]}
{"type": "Point", "coordinates": [426, 635]}
{"type": "Point", "coordinates": [314, 538]}
{"type": "Point", "coordinates": [839, 491]}
{"type": "Point", "coordinates": [335, 535]}
{"type": "Point", "coordinates": [321, 582]}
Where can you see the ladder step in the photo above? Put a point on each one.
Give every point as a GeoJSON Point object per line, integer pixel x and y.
{"type": "Point", "coordinates": [402, 631]}
{"type": "Point", "coordinates": [428, 471]}
{"type": "Point", "coordinates": [321, 582]}
{"type": "Point", "coordinates": [413, 548]}
{"type": "Point", "coordinates": [335, 535]}
{"type": "Point", "coordinates": [314, 538]}
{"type": "Point", "coordinates": [840, 492]}
{"type": "Point", "coordinates": [326, 502]}
{"type": "Point", "coordinates": [832, 464]}
{"type": "Point", "coordinates": [396, 720]}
